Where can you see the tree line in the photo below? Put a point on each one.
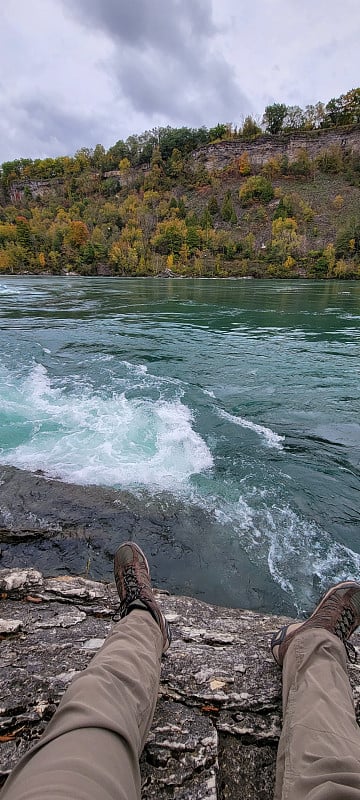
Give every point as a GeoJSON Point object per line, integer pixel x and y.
{"type": "Point", "coordinates": [138, 150]}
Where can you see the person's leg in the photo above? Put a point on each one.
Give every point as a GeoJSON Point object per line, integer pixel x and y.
{"type": "Point", "coordinates": [319, 748]}
{"type": "Point", "coordinates": [91, 747]}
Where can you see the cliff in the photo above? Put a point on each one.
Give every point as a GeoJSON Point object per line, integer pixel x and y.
{"type": "Point", "coordinates": [202, 215]}
{"type": "Point", "coordinates": [221, 154]}
{"type": "Point", "coordinates": [218, 717]}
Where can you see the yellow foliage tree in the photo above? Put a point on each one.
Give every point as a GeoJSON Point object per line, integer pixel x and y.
{"type": "Point", "coordinates": [4, 261]}
{"type": "Point", "coordinates": [244, 164]}
{"type": "Point", "coordinates": [272, 168]}
{"type": "Point", "coordinates": [124, 165]}
{"type": "Point", "coordinates": [340, 268]}
{"type": "Point", "coordinates": [289, 262]}
{"type": "Point", "coordinates": [285, 237]}
{"type": "Point", "coordinates": [77, 233]}
{"type": "Point", "coordinates": [329, 253]}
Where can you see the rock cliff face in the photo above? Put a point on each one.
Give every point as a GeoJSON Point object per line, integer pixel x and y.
{"type": "Point", "coordinates": [220, 155]}
{"type": "Point", "coordinates": [218, 717]}
{"type": "Point", "coordinates": [260, 150]}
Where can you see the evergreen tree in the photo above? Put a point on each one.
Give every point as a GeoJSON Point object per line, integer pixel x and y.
{"type": "Point", "coordinates": [227, 210]}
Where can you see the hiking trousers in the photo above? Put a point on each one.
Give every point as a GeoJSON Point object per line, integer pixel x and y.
{"type": "Point", "coordinates": [319, 749]}
{"type": "Point", "coordinates": [91, 747]}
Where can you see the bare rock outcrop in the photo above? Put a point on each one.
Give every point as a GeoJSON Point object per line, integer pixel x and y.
{"type": "Point", "coordinates": [220, 155]}
{"type": "Point", "coordinates": [218, 717]}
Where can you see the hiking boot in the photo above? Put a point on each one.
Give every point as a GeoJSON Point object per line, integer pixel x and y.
{"type": "Point", "coordinates": [132, 578]}
{"type": "Point", "coordinates": [338, 612]}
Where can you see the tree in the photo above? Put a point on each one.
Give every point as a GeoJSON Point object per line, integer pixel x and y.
{"type": "Point", "coordinates": [227, 210]}
{"type": "Point", "coordinates": [206, 220]}
{"type": "Point", "coordinates": [7, 232]}
{"type": "Point", "coordinates": [314, 116]}
{"type": "Point", "coordinates": [124, 165]}
{"type": "Point", "coordinates": [250, 128]}
{"type": "Point", "coordinates": [99, 157]}
{"type": "Point", "coordinates": [213, 206]}
{"type": "Point", "coordinates": [351, 107]}
{"type": "Point", "coordinates": [169, 236]}
{"type": "Point", "coordinates": [116, 153]}
{"type": "Point", "coordinates": [338, 202]}
{"type": "Point", "coordinates": [301, 164]}
{"type": "Point", "coordinates": [274, 116]}
{"type": "Point", "coordinates": [294, 118]}
{"type": "Point", "coordinates": [23, 234]}
{"type": "Point", "coordinates": [272, 168]}
{"type": "Point", "coordinates": [218, 132]}
{"type": "Point", "coordinates": [77, 234]}
{"type": "Point", "coordinates": [244, 164]}
{"type": "Point", "coordinates": [285, 240]}
{"type": "Point", "coordinates": [175, 164]}
{"type": "Point", "coordinates": [193, 239]}
{"type": "Point", "coordinates": [256, 188]}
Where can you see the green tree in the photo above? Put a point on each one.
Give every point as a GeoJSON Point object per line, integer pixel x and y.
{"type": "Point", "coordinates": [257, 187]}
{"type": "Point", "coordinates": [274, 116]}
{"type": "Point", "coordinates": [218, 132]}
{"type": "Point", "coordinates": [227, 210]}
{"type": "Point", "coordinates": [23, 234]}
{"type": "Point", "coordinates": [213, 206]}
{"type": "Point", "coordinates": [169, 236]}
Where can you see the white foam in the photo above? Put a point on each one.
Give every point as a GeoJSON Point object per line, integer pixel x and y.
{"type": "Point", "coordinates": [85, 437]}
{"type": "Point", "coordinates": [139, 369]}
{"type": "Point", "coordinates": [272, 439]}
{"type": "Point", "coordinates": [298, 552]}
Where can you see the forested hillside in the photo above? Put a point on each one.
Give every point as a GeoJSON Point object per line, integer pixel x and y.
{"type": "Point", "coordinates": [148, 204]}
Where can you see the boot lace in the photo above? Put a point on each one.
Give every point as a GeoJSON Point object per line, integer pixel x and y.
{"type": "Point", "coordinates": [343, 629]}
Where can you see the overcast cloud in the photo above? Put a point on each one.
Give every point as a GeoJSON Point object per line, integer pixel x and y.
{"type": "Point", "coordinates": [77, 72]}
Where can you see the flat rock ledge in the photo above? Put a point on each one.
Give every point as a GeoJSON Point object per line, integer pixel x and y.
{"type": "Point", "coordinates": [218, 717]}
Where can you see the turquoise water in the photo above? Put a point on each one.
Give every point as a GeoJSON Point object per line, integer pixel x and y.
{"type": "Point", "coordinates": [241, 396]}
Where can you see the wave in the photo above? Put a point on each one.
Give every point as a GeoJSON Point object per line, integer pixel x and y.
{"type": "Point", "coordinates": [272, 439]}
{"type": "Point", "coordinates": [139, 433]}
{"type": "Point", "coordinates": [301, 556]}
{"type": "Point", "coordinates": [83, 436]}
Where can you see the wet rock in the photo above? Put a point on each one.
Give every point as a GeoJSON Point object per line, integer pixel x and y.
{"type": "Point", "coordinates": [62, 528]}
{"type": "Point", "coordinates": [218, 717]}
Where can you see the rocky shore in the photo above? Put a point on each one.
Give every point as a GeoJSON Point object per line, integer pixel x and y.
{"type": "Point", "coordinates": [218, 718]}
{"type": "Point", "coordinates": [63, 528]}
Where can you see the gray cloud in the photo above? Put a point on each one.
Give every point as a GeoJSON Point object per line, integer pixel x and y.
{"type": "Point", "coordinates": [83, 71]}
{"type": "Point", "coordinates": [164, 24]}
{"type": "Point", "coordinates": [35, 126]}
{"type": "Point", "coordinates": [64, 128]}
{"type": "Point", "coordinates": [165, 60]}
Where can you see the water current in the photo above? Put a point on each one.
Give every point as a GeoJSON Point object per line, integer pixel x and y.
{"type": "Point", "coordinates": [237, 397]}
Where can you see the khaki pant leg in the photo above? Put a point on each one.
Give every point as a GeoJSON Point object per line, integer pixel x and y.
{"type": "Point", "coordinates": [91, 747]}
{"type": "Point", "coordinates": [319, 748]}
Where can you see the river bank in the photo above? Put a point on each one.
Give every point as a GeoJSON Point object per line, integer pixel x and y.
{"type": "Point", "coordinates": [60, 528]}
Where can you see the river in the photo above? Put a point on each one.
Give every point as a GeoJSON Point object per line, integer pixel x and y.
{"type": "Point", "coordinates": [236, 401]}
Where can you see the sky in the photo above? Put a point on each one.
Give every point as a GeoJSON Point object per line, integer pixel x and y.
{"type": "Point", "coordinates": [74, 73]}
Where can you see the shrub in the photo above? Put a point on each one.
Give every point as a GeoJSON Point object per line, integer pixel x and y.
{"type": "Point", "coordinates": [256, 188]}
